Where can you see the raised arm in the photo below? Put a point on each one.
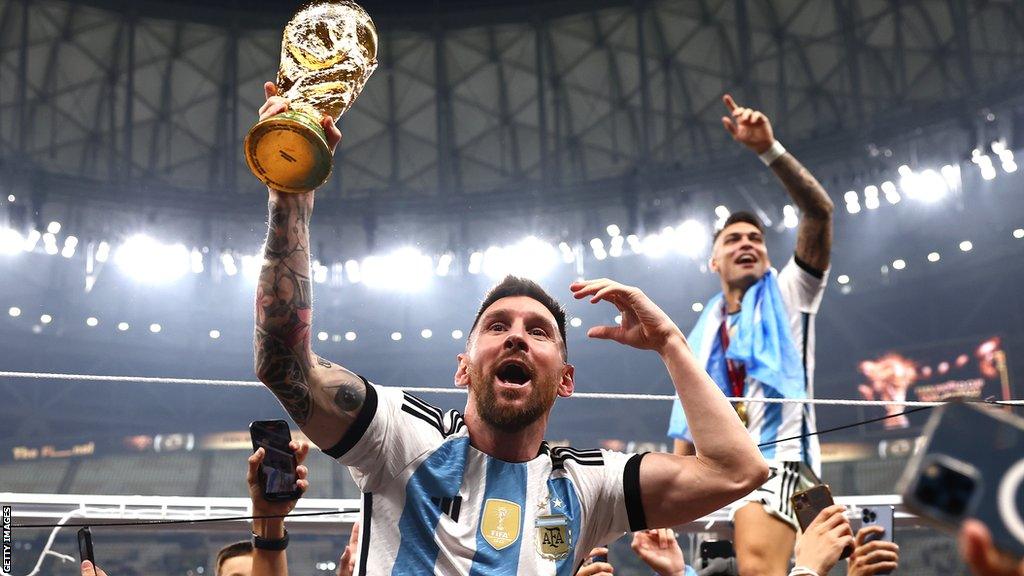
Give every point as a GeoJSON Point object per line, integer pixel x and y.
{"type": "Point", "coordinates": [814, 233]}
{"type": "Point", "coordinates": [322, 398]}
{"type": "Point", "coordinates": [677, 489]}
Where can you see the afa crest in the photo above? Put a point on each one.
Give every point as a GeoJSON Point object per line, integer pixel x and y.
{"type": "Point", "coordinates": [553, 537]}
{"type": "Point", "coordinates": [501, 523]}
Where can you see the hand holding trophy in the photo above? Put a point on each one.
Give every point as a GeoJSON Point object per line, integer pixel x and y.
{"type": "Point", "coordinates": [328, 52]}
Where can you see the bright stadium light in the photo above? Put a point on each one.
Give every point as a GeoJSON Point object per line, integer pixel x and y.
{"type": "Point", "coordinates": [227, 263]}
{"type": "Point", "coordinates": [616, 246]}
{"type": "Point", "coordinates": [444, 264]}
{"type": "Point", "coordinates": [966, 246]}
{"type": "Point", "coordinates": [149, 261]}
{"type": "Point", "coordinates": [32, 240]}
{"type": "Point", "coordinates": [456, 334]}
{"type": "Point", "coordinates": [618, 319]}
{"type": "Point", "coordinates": [697, 307]}
{"type": "Point", "coordinates": [1018, 233]}
{"type": "Point", "coordinates": [53, 227]}
{"type": "Point", "coordinates": [214, 334]}
{"type": "Point", "coordinates": [196, 259]}
{"type": "Point", "coordinates": [155, 328]}
{"type": "Point", "coordinates": [613, 230]}
{"type": "Point", "coordinates": [426, 333]}
{"type": "Point", "coordinates": [576, 322]}
{"type": "Point", "coordinates": [476, 262]}
{"type": "Point", "coordinates": [568, 254]}
{"type": "Point", "coordinates": [691, 238]}
{"type": "Point", "coordinates": [899, 264]}
{"type": "Point", "coordinates": [851, 197]}
{"type": "Point", "coordinates": [531, 258]}
{"type": "Point", "coordinates": [123, 326]}
{"type": "Point", "coordinates": [653, 245]}
{"type": "Point", "coordinates": [50, 243]}
{"type": "Point", "coordinates": [789, 219]}
{"type": "Point", "coordinates": [14, 311]}
{"type": "Point", "coordinates": [350, 336]}
{"type": "Point", "coordinates": [396, 336]}
{"type": "Point", "coordinates": [984, 163]}
{"type": "Point", "coordinates": [404, 270]}
{"type": "Point", "coordinates": [103, 251]}
{"type": "Point", "coordinates": [92, 321]}
{"type": "Point", "coordinates": [892, 196]}
{"type": "Point", "coordinates": [322, 336]}
{"type": "Point", "coordinates": [871, 201]}
{"type": "Point", "coordinates": [11, 241]}
{"type": "Point", "coordinates": [934, 256]}
{"type": "Point", "coordinates": [319, 270]}
{"type": "Point", "coordinates": [843, 279]}
{"type": "Point", "coordinates": [70, 243]}
{"type": "Point", "coordinates": [353, 271]}
{"type": "Point", "coordinates": [45, 319]}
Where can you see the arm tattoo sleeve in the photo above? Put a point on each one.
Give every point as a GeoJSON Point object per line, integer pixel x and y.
{"type": "Point", "coordinates": [283, 307]}
{"type": "Point", "coordinates": [814, 235]}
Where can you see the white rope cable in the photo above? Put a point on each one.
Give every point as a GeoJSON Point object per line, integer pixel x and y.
{"type": "Point", "coordinates": [584, 395]}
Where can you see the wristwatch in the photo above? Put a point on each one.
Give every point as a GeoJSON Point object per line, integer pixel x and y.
{"type": "Point", "coordinates": [266, 544]}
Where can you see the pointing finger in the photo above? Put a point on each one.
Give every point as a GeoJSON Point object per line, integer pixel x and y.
{"type": "Point", "coordinates": [729, 102]}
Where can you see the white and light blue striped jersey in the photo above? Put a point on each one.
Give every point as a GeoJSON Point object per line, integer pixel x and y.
{"type": "Point", "coordinates": [802, 289]}
{"type": "Point", "coordinates": [434, 504]}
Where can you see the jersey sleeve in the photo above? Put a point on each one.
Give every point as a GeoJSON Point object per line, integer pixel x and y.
{"type": "Point", "coordinates": [802, 286]}
{"type": "Point", "coordinates": [392, 430]}
{"type": "Point", "coordinates": [609, 495]}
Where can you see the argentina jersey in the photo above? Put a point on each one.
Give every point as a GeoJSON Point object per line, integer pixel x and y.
{"type": "Point", "coordinates": [434, 504]}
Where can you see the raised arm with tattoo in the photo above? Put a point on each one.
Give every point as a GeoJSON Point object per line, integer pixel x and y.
{"type": "Point", "coordinates": [814, 234]}
{"type": "Point", "coordinates": [323, 398]}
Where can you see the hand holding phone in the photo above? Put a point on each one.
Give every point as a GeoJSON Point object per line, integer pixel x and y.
{"type": "Point", "coordinates": [711, 549]}
{"type": "Point", "coordinates": [808, 504]}
{"type": "Point", "coordinates": [971, 466]}
{"type": "Point", "coordinates": [277, 472]}
{"type": "Point", "coordinates": [85, 546]}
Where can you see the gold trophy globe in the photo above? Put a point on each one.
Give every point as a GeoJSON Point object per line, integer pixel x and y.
{"type": "Point", "coordinates": [328, 52]}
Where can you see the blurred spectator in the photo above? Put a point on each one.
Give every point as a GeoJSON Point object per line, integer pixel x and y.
{"type": "Point", "coordinates": [235, 559]}
{"type": "Point", "coordinates": [981, 555]}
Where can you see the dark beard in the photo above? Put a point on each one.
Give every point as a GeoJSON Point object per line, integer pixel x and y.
{"type": "Point", "coordinates": [507, 419]}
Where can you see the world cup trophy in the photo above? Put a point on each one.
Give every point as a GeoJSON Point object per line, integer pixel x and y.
{"type": "Point", "coordinates": [328, 52]}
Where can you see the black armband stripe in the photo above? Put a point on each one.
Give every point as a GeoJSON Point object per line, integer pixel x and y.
{"type": "Point", "coordinates": [355, 432]}
{"type": "Point", "coordinates": [631, 490]}
{"type": "Point", "coordinates": [819, 274]}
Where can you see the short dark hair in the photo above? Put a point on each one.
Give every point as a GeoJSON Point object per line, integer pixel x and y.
{"type": "Point", "coordinates": [516, 286]}
{"type": "Point", "coordinates": [243, 548]}
{"type": "Point", "coordinates": [741, 216]}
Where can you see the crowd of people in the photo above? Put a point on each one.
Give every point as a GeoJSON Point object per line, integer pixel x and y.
{"type": "Point", "coordinates": [481, 492]}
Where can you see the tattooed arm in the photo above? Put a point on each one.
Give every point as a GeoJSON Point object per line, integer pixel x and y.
{"type": "Point", "coordinates": [814, 235]}
{"type": "Point", "coordinates": [323, 398]}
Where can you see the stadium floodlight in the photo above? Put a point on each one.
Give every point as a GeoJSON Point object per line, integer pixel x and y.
{"type": "Point", "coordinates": [123, 326]}
{"type": "Point", "coordinates": [789, 219]}
{"type": "Point", "coordinates": [568, 254]}
{"type": "Point", "coordinates": [1018, 233]}
{"type": "Point", "coordinates": [934, 256]}
{"type": "Point", "coordinates": [11, 198]}
{"type": "Point", "coordinates": [50, 243]}
{"type": "Point", "coordinates": [899, 264]}
{"type": "Point", "coordinates": [984, 162]}
{"type": "Point", "coordinates": [70, 243]}
{"type": "Point", "coordinates": [576, 322]}
{"type": "Point", "coordinates": [196, 258]}
{"type": "Point", "coordinates": [53, 227]}
{"type": "Point", "coordinates": [404, 270]}
{"type": "Point", "coordinates": [616, 246]}
{"type": "Point", "coordinates": [892, 196]}
{"type": "Point", "coordinates": [396, 336]}
{"type": "Point", "coordinates": [444, 264]}
{"type": "Point", "coordinates": [11, 241]}
{"type": "Point", "coordinates": [843, 279]}
{"type": "Point", "coordinates": [322, 336]}
{"type": "Point", "coordinates": [319, 270]}
{"type": "Point", "coordinates": [697, 307]}
{"type": "Point", "coordinates": [147, 260]}
{"type": "Point", "coordinates": [613, 230]}
{"type": "Point", "coordinates": [45, 319]}
{"type": "Point", "coordinates": [871, 201]}
{"type": "Point", "coordinates": [92, 321]}
{"type": "Point", "coordinates": [531, 258]}
{"type": "Point", "coordinates": [227, 263]}
{"type": "Point", "coordinates": [155, 328]}
{"type": "Point", "coordinates": [634, 243]}
{"type": "Point", "coordinates": [214, 334]}
{"type": "Point", "coordinates": [689, 238]}
{"type": "Point", "coordinates": [456, 334]}
{"type": "Point", "coordinates": [353, 271]}
{"type": "Point", "coordinates": [966, 246]}
{"type": "Point", "coordinates": [103, 251]}
{"type": "Point", "coordinates": [853, 207]}
{"type": "Point", "coordinates": [426, 333]}
{"type": "Point", "coordinates": [14, 311]}
{"type": "Point", "coordinates": [350, 336]}
{"type": "Point", "coordinates": [653, 245]}
{"type": "Point", "coordinates": [476, 262]}
{"type": "Point", "coordinates": [851, 197]}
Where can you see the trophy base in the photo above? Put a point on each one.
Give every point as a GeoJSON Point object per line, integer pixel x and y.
{"type": "Point", "coordinates": [289, 152]}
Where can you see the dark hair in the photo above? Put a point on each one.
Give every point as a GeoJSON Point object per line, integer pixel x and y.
{"type": "Point", "coordinates": [243, 548]}
{"type": "Point", "coordinates": [516, 286]}
{"type": "Point", "coordinates": [741, 216]}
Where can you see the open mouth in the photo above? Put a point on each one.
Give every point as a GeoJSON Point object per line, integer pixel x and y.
{"type": "Point", "coordinates": [514, 374]}
{"type": "Point", "coordinates": [747, 259]}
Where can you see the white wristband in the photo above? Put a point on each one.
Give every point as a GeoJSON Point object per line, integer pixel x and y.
{"type": "Point", "coordinates": [802, 571]}
{"type": "Point", "coordinates": [772, 154]}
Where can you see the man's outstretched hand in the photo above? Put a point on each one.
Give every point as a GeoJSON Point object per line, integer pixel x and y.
{"type": "Point", "coordinates": [643, 326]}
{"type": "Point", "coordinates": [276, 104]}
{"type": "Point", "coordinates": [748, 126]}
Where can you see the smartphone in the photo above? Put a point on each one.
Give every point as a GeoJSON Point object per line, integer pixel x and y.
{"type": "Point", "coordinates": [971, 465]}
{"type": "Point", "coordinates": [711, 549]}
{"type": "Point", "coordinates": [809, 503]}
{"type": "Point", "coordinates": [878, 516]}
{"type": "Point", "coordinates": [85, 546]}
{"type": "Point", "coordinates": [277, 474]}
